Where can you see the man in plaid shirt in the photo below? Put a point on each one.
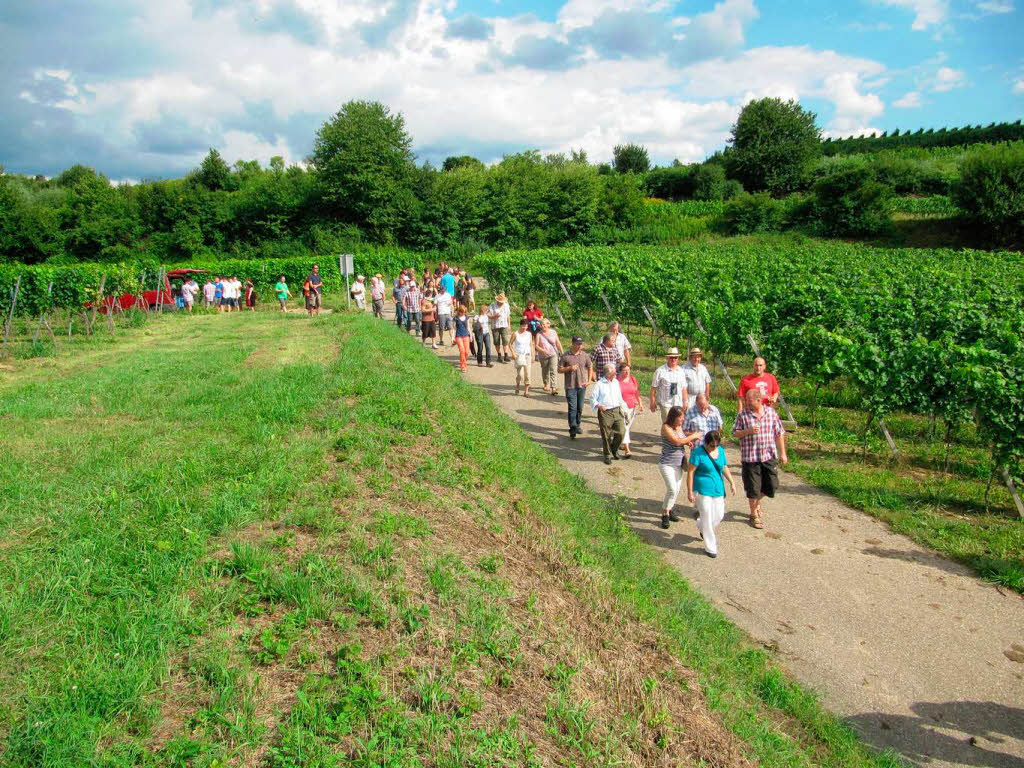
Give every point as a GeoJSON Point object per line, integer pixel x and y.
{"type": "Point", "coordinates": [604, 353]}
{"type": "Point", "coordinates": [411, 304]}
{"type": "Point", "coordinates": [762, 444]}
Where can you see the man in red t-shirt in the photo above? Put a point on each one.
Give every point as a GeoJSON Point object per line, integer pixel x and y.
{"type": "Point", "coordinates": [765, 382]}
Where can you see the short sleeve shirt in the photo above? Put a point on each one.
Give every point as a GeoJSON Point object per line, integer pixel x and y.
{"type": "Point", "coordinates": [315, 281]}
{"type": "Point", "coordinates": [766, 382]}
{"type": "Point", "coordinates": [707, 477]}
{"type": "Point", "coordinates": [282, 290]}
{"type": "Point", "coordinates": [697, 379]}
{"type": "Point", "coordinates": [669, 385]}
{"type": "Point", "coordinates": [502, 311]}
{"type": "Point", "coordinates": [622, 344]}
{"type": "Point", "coordinates": [603, 355]}
{"type": "Point", "coordinates": [702, 422]}
{"type": "Point", "coordinates": [761, 446]}
{"type": "Point", "coordinates": [448, 281]}
{"type": "Point", "coordinates": [579, 378]}
{"type": "Point", "coordinates": [443, 302]}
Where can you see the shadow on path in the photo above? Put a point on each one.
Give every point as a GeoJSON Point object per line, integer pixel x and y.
{"type": "Point", "coordinates": [958, 732]}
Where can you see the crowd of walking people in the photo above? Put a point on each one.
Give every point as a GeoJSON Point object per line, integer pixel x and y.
{"type": "Point", "coordinates": [229, 294]}
{"type": "Point", "coordinates": [692, 457]}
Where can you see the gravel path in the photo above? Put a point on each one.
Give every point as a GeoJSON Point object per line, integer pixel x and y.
{"type": "Point", "coordinates": [916, 652]}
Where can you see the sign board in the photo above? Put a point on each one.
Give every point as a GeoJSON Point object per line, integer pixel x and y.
{"type": "Point", "coordinates": [348, 266]}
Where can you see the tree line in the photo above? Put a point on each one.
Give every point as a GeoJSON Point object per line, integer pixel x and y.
{"type": "Point", "coordinates": [994, 133]}
{"type": "Point", "coordinates": [362, 184]}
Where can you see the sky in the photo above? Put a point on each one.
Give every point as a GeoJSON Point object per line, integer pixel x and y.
{"type": "Point", "coordinates": [142, 90]}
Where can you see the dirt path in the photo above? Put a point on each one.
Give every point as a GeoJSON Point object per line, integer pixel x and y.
{"type": "Point", "coordinates": [911, 648]}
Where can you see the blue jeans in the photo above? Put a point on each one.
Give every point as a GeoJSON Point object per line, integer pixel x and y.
{"type": "Point", "coordinates": [413, 319]}
{"type": "Point", "coordinates": [574, 397]}
{"type": "Point", "coordinates": [399, 315]}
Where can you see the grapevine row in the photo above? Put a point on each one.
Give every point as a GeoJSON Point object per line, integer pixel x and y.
{"type": "Point", "coordinates": [925, 332]}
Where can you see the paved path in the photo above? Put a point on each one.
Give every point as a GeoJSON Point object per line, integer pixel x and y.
{"type": "Point", "coordinates": [910, 647]}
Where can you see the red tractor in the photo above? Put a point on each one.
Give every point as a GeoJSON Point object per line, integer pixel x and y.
{"type": "Point", "coordinates": [149, 299]}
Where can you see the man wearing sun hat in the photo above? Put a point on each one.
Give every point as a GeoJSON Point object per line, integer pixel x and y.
{"type": "Point", "coordinates": [668, 387]}
{"type": "Point", "coordinates": [500, 314]}
{"type": "Point", "coordinates": [698, 380]}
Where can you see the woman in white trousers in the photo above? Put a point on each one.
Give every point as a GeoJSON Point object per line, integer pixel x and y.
{"type": "Point", "coordinates": [673, 458]}
{"type": "Point", "coordinates": [706, 472]}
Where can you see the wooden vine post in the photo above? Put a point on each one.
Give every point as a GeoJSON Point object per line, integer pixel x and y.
{"type": "Point", "coordinates": [9, 321]}
{"type": "Point", "coordinates": [1013, 492]}
{"type": "Point", "coordinates": [573, 305]}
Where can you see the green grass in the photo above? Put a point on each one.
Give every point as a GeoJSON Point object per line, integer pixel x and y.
{"type": "Point", "coordinates": [236, 539]}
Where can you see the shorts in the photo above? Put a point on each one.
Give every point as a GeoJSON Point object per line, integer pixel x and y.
{"type": "Point", "coordinates": [428, 327]}
{"type": "Point", "coordinates": [313, 300]}
{"type": "Point", "coordinates": [760, 478]}
{"type": "Point", "coordinates": [502, 337]}
{"type": "Point", "coordinates": [445, 322]}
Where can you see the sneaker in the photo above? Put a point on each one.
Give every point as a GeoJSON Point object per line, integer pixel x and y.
{"type": "Point", "coordinates": [434, 346]}
{"type": "Point", "coordinates": [572, 435]}
{"type": "Point", "coordinates": [490, 365]}
{"type": "Point", "coordinates": [607, 460]}
{"type": "Point", "coordinates": [711, 554]}
{"type": "Point", "coordinates": [673, 516]}
{"type": "Point", "coordinates": [615, 456]}
{"type": "Point", "coordinates": [664, 521]}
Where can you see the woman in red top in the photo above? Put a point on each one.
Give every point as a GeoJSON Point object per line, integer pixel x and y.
{"type": "Point", "coordinates": [533, 316]}
{"type": "Point", "coordinates": [634, 403]}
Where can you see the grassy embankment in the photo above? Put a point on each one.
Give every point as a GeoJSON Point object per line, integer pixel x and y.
{"type": "Point", "coordinates": [933, 493]}
{"type": "Point", "coordinates": [269, 540]}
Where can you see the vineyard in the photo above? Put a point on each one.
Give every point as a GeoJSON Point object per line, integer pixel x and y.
{"type": "Point", "coordinates": [935, 333]}
{"type": "Point", "coordinates": [952, 137]}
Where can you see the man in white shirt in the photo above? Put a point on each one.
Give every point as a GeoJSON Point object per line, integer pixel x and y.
{"type": "Point", "coordinates": [668, 387]}
{"type": "Point", "coordinates": [606, 399]}
{"type": "Point", "coordinates": [359, 292]}
{"type": "Point", "coordinates": [444, 303]}
{"type": "Point", "coordinates": [698, 380]}
{"type": "Point", "coordinates": [189, 289]}
{"type": "Point", "coordinates": [522, 349]}
{"type": "Point", "coordinates": [500, 330]}
{"type": "Point", "coordinates": [209, 293]}
{"type": "Point", "coordinates": [621, 343]}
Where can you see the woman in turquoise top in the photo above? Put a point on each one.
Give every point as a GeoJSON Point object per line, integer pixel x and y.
{"type": "Point", "coordinates": [705, 474]}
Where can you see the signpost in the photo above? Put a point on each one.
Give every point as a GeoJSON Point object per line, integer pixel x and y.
{"type": "Point", "coordinates": [346, 265]}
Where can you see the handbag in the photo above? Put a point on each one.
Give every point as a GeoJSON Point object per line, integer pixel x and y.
{"type": "Point", "coordinates": [472, 346]}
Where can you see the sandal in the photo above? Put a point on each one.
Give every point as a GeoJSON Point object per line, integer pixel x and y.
{"type": "Point", "coordinates": [757, 520]}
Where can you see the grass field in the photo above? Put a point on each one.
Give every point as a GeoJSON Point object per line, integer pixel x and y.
{"type": "Point", "coordinates": [265, 540]}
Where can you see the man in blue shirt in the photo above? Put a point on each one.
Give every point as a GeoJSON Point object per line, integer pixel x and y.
{"type": "Point", "coordinates": [448, 281]}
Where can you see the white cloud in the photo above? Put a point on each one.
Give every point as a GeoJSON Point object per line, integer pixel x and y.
{"type": "Point", "coordinates": [947, 78]}
{"type": "Point", "coordinates": [995, 6]}
{"type": "Point", "coordinates": [1018, 87]}
{"type": "Point", "coordinates": [910, 100]}
{"type": "Point", "coordinates": [927, 13]}
{"type": "Point", "coordinates": [468, 100]}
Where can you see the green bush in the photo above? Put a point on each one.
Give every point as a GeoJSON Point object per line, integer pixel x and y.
{"type": "Point", "coordinates": [991, 191]}
{"type": "Point", "coordinates": [749, 214]}
{"type": "Point", "coordinates": [709, 182]}
{"type": "Point", "coordinates": [852, 202]}
{"type": "Point", "coordinates": [674, 182]}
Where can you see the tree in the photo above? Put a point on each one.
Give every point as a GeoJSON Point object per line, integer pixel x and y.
{"type": "Point", "coordinates": [630, 158]}
{"type": "Point", "coordinates": [214, 173]}
{"type": "Point", "coordinates": [852, 202]}
{"type": "Point", "coordinates": [462, 161]}
{"type": "Point", "coordinates": [991, 191]}
{"type": "Point", "coordinates": [364, 163]}
{"type": "Point", "coordinates": [774, 143]}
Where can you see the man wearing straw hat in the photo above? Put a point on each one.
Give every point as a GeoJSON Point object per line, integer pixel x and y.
{"type": "Point", "coordinates": [668, 387]}
{"type": "Point", "coordinates": [698, 380]}
{"type": "Point", "coordinates": [501, 332]}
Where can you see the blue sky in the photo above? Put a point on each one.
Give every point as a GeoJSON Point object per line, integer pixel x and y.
{"type": "Point", "coordinates": [143, 90]}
